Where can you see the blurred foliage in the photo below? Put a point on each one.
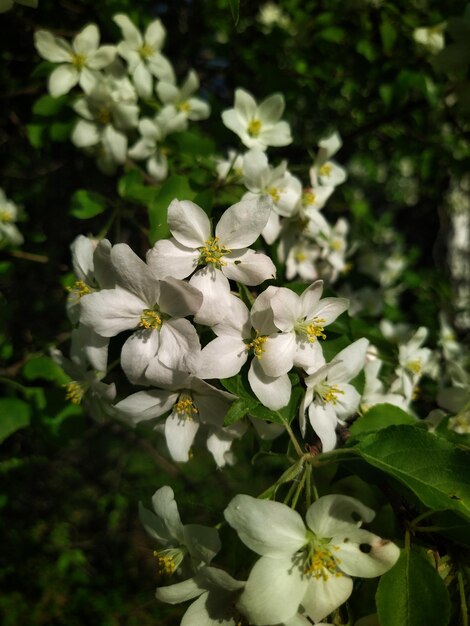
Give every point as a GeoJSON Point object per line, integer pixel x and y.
{"type": "Point", "coordinates": [72, 549]}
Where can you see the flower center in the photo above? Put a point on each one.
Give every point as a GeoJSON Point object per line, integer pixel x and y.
{"type": "Point", "coordinates": [104, 116]}
{"type": "Point", "coordinates": [213, 252]}
{"type": "Point", "coordinates": [325, 169]}
{"type": "Point", "coordinates": [257, 345]}
{"type": "Point", "coordinates": [300, 256]}
{"type": "Point", "coordinates": [185, 107]}
{"type": "Point", "coordinates": [79, 289]}
{"type": "Point", "coordinates": [308, 197]}
{"type": "Point", "coordinates": [319, 561]}
{"type": "Point", "coordinates": [146, 51]}
{"type": "Point", "coordinates": [151, 319]}
{"type": "Point", "coordinates": [185, 407]}
{"type": "Point", "coordinates": [6, 217]}
{"type": "Point", "coordinates": [78, 61]}
{"type": "Point", "coordinates": [337, 245]}
{"type": "Point", "coordinates": [168, 560]}
{"type": "Point", "coordinates": [254, 128]}
{"type": "Point", "coordinates": [74, 391]}
{"type": "Point", "coordinates": [414, 366]}
{"type": "Point", "coordinates": [311, 329]}
{"type": "Point", "coordinates": [274, 193]}
{"type": "Point", "coordinates": [329, 393]}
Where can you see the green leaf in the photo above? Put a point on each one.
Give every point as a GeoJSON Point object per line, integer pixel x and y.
{"type": "Point", "coordinates": [43, 367]}
{"type": "Point", "coordinates": [14, 414]}
{"type": "Point", "coordinates": [238, 410]}
{"type": "Point", "coordinates": [436, 471]}
{"type": "Point", "coordinates": [193, 142]}
{"type": "Point", "coordinates": [235, 10]}
{"type": "Point", "coordinates": [412, 594]}
{"type": "Point", "coordinates": [60, 131]}
{"type": "Point", "coordinates": [175, 187]}
{"type": "Point", "coordinates": [388, 34]}
{"type": "Point", "coordinates": [35, 133]}
{"type": "Point", "coordinates": [366, 49]}
{"type": "Point", "coordinates": [381, 416]}
{"type": "Point", "coordinates": [131, 186]}
{"type": "Point", "coordinates": [333, 34]}
{"type": "Point", "coordinates": [86, 204]}
{"type": "Point", "coordinates": [47, 106]}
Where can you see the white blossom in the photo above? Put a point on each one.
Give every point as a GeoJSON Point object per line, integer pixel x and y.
{"type": "Point", "coordinates": [258, 125]}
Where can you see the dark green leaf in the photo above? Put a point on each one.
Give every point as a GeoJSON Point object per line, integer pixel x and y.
{"type": "Point", "coordinates": [131, 186]}
{"type": "Point", "coordinates": [43, 367]}
{"type": "Point", "coordinates": [14, 414]}
{"type": "Point", "coordinates": [381, 416]}
{"type": "Point", "coordinates": [238, 410]}
{"type": "Point", "coordinates": [86, 204]}
{"type": "Point", "coordinates": [47, 106]}
{"type": "Point", "coordinates": [437, 472]}
{"type": "Point", "coordinates": [35, 133]}
{"type": "Point", "coordinates": [235, 9]}
{"type": "Point", "coordinates": [388, 34]}
{"type": "Point", "coordinates": [412, 594]}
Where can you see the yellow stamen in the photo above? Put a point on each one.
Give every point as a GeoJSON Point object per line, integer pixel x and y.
{"type": "Point", "coordinates": [312, 329]}
{"type": "Point", "coordinates": [146, 51]}
{"type": "Point", "coordinates": [325, 169]}
{"type": "Point", "coordinates": [319, 562]}
{"type": "Point", "coordinates": [213, 252]}
{"type": "Point", "coordinates": [414, 366]}
{"type": "Point", "coordinates": [79, 289]}
{"type": "Point", "coordinates": [150, 319]}
{"type": "Point", "coordinates": [254, 128]}
{"type": "Point", "coordinates": [6, 217]}
{"type": "Point", "coordinates": [78, 61]}
{"type": "Point", "coordinates": [185, 407]}
{"type": "Point", "coordinates": [331, 394]}
{"type": "Point", "coordinates": [185, 107]}
{"type": "Point", "coordinates": [75, 391]}
{"type": "Point", "coordinates": [308, 197]}
{"type": "Point", "coordinates": [257, 345]}
{"type": "Point", "coordinates": [300, 256]}
{"type": "Point", "coordinates": [169, 560]}
{"type": "Point", "coordinates": [337, 245]}
{"type": "Point", "coordinates": [274, 193]}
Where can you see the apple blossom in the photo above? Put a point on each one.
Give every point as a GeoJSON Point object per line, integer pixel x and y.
{"type": "Point", "coordinates": [329, 397]}
{"type": "Point", "coordinates": [305, 568]}
{"type": "Point", "coordinates": [79, 61]}
{"type": "Point", "coordinates": [258, 125]}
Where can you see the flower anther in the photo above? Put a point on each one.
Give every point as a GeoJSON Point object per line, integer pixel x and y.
{"type": "Point", "coordinates": [185, 407]}
{"type": "Point", "coordinates": [75, 391]}
{"type": "Point", "coordinates": [254, 128]}
{"type": "Point", "coordinates": [213, 252]}
{"type": "Point", "coordinates": [151, 319]}
{"type": "Point", "coordinates": [78, 61]}
{"type": "Point", "coordinates": [146, 51]}
{"type": "Point", "coordinates": [325, 169]}
{"type": "Point", "coordinates": [169, 560]}
{"type": "Point", "coordinates": [257, 345]}
{"type": "Point", "coordinates": [79, 289]}
{"type": "Point", "coordinates": [311, 329]}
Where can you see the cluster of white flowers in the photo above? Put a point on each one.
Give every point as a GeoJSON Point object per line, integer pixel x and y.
{"type": "Point", "coordinates": [9, 233]}
{"type": "Point", "coordinates": [309, 246]}
{"type": "Point", "coordinates": [122, 84]}
{"type": "Point", "coordinates": [303, 573]}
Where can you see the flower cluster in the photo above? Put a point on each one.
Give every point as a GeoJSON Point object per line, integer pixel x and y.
{"type": "Point", "coordinates": [122, 86]}
{"type": "Point", "coordinates": [303, 573]}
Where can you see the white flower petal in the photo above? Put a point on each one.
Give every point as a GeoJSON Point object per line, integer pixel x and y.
{"type": "Point", "coordinates": [179, 592]}
{"type": "Point", "coordinates": [137, 353]}
{"type": "Point", "coordinates": [103, 57]}
{"type": "Point", "coordinates": [278, 355]}
{"type": "Point", "coordinates": [348, 363]}
{"type": "Point", "coordinates": [51, 48]}
{"type": "Point", "coordinates": [323, 420]}
{"type": "Point", "coordinates": [178, 298]}
{"type": "Point", "coordinates": [275, 392]}
{"type": "Point", "coordinates": [62, 79]}
{"type": "Point", "coordinates": [249, 267]}
{"type": "Point", "coordinates": [129, 30]}
{"type": "Point", "coordinates": [334, 514]}
{"type": "Point", "coordinates": [245, 104]}
{"type": "Point", "coordinates": [179, 434]}
{"type": "Point", "coordinates": [324, 596]}
{"type": "Point", "coordinates": [165, 507]}
{"type": "Point", "coordinates": [361, 553]}
{"type": "Point", "coordinates": [266, 527]}
{"type": "Point", "coordinates": [145, 405]}
{"type": "Point", "coordinates": [110, 311]}
{"type": "Point", "coordinates": [188, 223]}
{"type": "Point", "coordinates": [286, 306]}
{"type": "Point", "coordinates": [202, 542]}
{"type": "Point", "coordinates": [270, 110]}
{"type": "Point", "coordinates": [170, 258]}
{"type": "Point", "coordinates": [222, 357]}
{"type": "Point", "coordinates": [242, 223]}
{"type": "Point", "coordinates": [273, 591]}
{"type": "Point", "coordinates": [310, 298]}
{"type": "Point", "coordinates": [216, 291]}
